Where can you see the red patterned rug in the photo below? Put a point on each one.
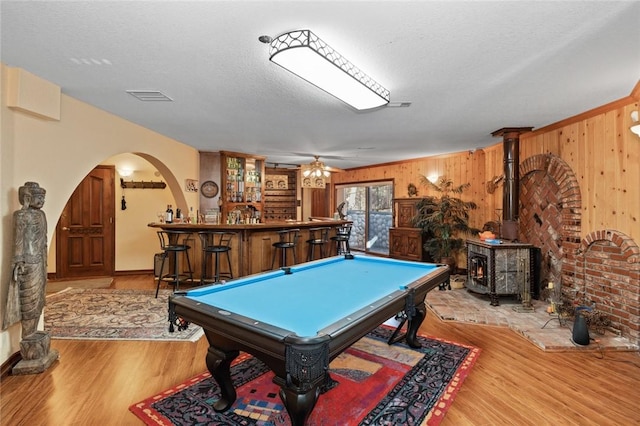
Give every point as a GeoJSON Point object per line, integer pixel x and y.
{"type": "Point", "coordinates": [378, 384]}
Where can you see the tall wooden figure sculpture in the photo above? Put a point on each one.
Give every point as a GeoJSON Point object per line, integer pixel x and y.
{"type": "Point", "coordinates": [26, 298]}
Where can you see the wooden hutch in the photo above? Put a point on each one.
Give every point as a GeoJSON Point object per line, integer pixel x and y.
{"type": "Point", "coordinates": [405, 240]}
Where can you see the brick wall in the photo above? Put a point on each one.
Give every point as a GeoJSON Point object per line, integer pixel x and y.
{"type": "Point", "coordinates": [603, 268]}
{"type": "Point", "coordinates": [610, 264]}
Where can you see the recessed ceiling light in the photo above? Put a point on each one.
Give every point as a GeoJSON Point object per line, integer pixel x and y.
{"type": "Point", "coordinates": [149, 95]}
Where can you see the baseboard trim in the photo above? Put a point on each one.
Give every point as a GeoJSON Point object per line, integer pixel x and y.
{"type": "Point", "coordinates": [134, 272]}
{"type": "Point", "coordinates": [7, 366]}
{"type": "Point", "coordinates": [53, 277]}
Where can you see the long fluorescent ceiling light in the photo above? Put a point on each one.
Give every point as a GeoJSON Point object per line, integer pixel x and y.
{"type": "Point", "coordinates": [304, 54]}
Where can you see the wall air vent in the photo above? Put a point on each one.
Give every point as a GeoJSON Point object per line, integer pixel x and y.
{"type": "Point", "coordinates": [149, 95]}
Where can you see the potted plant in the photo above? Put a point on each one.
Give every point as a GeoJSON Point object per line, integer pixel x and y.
{"type": "Point", "coordinates": [444, 219]}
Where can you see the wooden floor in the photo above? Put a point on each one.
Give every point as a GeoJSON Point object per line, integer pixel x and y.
{"type": "Point", "coordinates": [512, 383]}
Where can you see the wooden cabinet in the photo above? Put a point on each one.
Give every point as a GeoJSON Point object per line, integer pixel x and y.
{"type": "Point", "coordinates": [406, 241]}
{"type": "Point", "coordinates": [280, 195]}
{"type": "Point", "coordinates": [242, 199]}
{"type": "Point", "coordinates": [405, 210]}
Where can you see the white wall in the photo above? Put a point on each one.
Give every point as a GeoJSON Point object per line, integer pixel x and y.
{"type": "Point", "coordinates": [136, 243]}
{"type": "Point", "coordinates": [59, 154]}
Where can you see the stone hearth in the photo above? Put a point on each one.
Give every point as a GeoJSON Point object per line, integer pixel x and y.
{"type": "Point", "coordinates": [540, 328]}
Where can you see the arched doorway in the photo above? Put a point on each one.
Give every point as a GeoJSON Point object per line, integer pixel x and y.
{"type": "Point", "coordinates": [134, 244]}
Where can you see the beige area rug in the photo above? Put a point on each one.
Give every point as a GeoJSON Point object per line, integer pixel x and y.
{"type": "Point", "coordinates": [108, 314]}
{"type": "Point", "coordinates": [56, 286]}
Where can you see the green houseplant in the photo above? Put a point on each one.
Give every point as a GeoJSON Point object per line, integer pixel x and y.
{"type": "Point", "coordinates": [444, 219]}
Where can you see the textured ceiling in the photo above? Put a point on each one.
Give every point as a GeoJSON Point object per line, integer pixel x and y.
{"type": "Point", "coordinates": [468, 68]}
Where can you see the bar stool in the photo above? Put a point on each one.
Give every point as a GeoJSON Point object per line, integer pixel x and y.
{"type": "Point", "coordinates": [288, 240]}
{"type": "Point", "coordinates": [171, 245]}
{"type": "Point", "coordinates": [343, 233]}
{"type": "Point", "coordinates": [215, 243]}
{"type": "Point", "coordinates": [317, 237]}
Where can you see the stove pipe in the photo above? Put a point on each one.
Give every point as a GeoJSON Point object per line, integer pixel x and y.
{"type": "Point", "coordinates": [511, 190]}
{"type": "Point", "coordinates": [510, 194]}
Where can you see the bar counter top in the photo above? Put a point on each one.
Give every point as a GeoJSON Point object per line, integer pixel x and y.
{"type": "Point", "coordinates": [252, 248]}
{"type": "Point", "coordinates": [289, 224]}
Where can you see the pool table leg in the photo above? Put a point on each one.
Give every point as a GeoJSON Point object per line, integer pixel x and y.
{"type": "Point", "coordinates": [305, 375]}
{"type": "Point", "coordinates": [415, 321]}
{"type": "Point", "coordinates": [219, 365]}
{"type": "Point", "coordinates": [299, 405]}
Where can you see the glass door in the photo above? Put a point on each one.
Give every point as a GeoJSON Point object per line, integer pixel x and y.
{"type": "Point", "coordinates": [369, 206]}
{"type": "Point", "coordinates": [379, 217]}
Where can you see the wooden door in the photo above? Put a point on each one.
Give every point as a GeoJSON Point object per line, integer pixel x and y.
{"type": "Point", "coordinates": [319, 204]}
{"type": "Point", "coordinates": [85, 243]}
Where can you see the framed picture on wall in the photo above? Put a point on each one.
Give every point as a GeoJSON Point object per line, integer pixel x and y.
{"type": "Point", "coordinates": [191, 185]}
{"type": "Point", "coordinates": [277, 182]}
{"type": "Point", "coordinates": [313, 182]}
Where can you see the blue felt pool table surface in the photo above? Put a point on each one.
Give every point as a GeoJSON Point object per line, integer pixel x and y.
{"type": "Point", "coordinates": [315, 294]}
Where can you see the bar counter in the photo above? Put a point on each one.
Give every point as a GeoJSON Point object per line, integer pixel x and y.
{"type": "Point", "coordinates": [252, 248]}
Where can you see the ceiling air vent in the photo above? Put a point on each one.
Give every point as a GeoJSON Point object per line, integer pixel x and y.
{"type": "Point", "coordinates": [398, 104]}
{"type": "Point", "coordinates": [149, 95]}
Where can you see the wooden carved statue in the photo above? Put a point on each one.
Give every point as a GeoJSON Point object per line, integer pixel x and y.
{"type": "Point", "coordinates": [26, 297]}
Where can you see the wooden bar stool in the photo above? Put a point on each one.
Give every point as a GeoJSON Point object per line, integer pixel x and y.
{"type": "Point", "coordinates": [172, 243]}
{"type": "Point", "coordinates": [343, 233]}
{"type": "Point", "coordinates": [288, 240]}
{"type": "Point", "coordinates": [215, 243]}
{"type": "Point", "coordinates": [317, 237]}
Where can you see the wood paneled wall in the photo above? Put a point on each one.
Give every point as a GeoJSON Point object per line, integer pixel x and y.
{"type": "Point", "coordinates": [598, 145]}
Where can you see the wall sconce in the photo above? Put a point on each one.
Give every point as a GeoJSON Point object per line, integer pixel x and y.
{"type": "Point", "coordinates": [125, 172]}
{"type": "Point", "coordinates": [635, 127]}
{"type": "Point", "coordinates": [433, 178]}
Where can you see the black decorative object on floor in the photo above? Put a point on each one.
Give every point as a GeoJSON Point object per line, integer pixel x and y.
{"type": "Point", "coordinates": [580, 330]}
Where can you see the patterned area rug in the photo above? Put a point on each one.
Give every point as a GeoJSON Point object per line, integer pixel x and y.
{"type": "Point", "coordinates": [56, 286]}
{"type": "Point", "coordinates": [378, 384]}
{"type": "Point", "coordinates": [101, 314]}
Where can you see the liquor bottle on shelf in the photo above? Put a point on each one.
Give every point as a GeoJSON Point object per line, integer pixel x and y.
{"type": "Point", "coordinates": [241, 174]}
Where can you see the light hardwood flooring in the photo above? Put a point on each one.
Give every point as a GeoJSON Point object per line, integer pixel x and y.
{"type": "Point", "coordinates": [512, 383]}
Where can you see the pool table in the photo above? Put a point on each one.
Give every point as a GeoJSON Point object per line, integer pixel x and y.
{"type": "Point", "coordinates": [297, 319]}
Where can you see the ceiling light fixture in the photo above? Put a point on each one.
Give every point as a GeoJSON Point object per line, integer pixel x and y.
{"type": "Point", "coordinates": [315, 169]}
{"type": "Point", "coordinates": [635, 127]}
{"type": "Point", "coordinates": [304, 54]}
{"type": "Point", "coordinates": [124, 172]}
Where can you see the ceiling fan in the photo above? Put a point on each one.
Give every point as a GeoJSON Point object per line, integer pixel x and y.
{"type": "Point", "coordinates": [314, 168]}
{"type": "Point", "coordinates": [317, 168]}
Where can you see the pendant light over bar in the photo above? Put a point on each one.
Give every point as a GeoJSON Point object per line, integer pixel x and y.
{"type": "Point", "coordinates": [304, 54]}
